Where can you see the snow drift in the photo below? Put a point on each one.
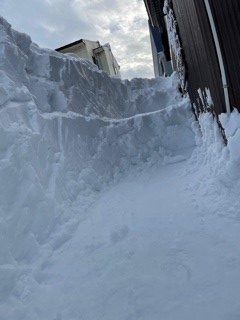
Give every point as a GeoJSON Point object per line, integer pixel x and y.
{"type": "Point", "coordinates": [68, 130]}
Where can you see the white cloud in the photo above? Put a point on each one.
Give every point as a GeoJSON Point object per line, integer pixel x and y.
{"type": "Point", "coordinates": [122, 23]}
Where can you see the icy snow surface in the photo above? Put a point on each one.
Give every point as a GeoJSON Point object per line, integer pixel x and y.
{"type": "Point", "coordinates": [114, 203]}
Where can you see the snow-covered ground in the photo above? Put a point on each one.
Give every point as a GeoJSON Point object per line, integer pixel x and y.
{"type": "Point", "coordinates": [114, 202]}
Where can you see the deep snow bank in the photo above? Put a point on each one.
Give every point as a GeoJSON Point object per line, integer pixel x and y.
{"type": "Point", "coordinates": [66, 131]}
{"type": "Point", "coordinates": [214, 165]}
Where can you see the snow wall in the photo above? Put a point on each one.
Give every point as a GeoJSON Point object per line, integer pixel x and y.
{"type": "Point", "coordinates": [68, 130]}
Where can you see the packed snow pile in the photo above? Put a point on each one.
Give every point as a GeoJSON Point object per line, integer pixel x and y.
{"type": "Point", "coordinates": [216, 165]}
{"type": "Point", "coordinates": [104, 185]}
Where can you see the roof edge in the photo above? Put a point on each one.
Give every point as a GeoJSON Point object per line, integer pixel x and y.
{"type": "Point", "coordinates": [70, 45]}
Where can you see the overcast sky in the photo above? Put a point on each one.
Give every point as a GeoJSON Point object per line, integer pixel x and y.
{"type": "Point", "coordinates": [53, 23]}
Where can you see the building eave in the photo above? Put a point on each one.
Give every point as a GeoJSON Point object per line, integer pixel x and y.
{"type": "Point", "coordinates": [155, 12]}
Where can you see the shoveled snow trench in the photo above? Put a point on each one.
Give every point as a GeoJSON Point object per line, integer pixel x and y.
{"type": "Point", "coordinates": [115, 204]}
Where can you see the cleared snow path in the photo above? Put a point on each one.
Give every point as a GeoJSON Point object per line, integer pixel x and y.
{"type": "Point", "coordinates": [145, 251]}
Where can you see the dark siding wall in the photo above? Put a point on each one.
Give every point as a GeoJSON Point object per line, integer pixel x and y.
{"type": "Point", "coordinates": [156, 16]}
{"type": "Point", "coordinates": [199, 51]}
{"type": "Point", "coordinates": [227, 18]}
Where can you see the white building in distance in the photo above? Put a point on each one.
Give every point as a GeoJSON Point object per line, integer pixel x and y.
{"type": "Point", "coordinates": [93, 51]}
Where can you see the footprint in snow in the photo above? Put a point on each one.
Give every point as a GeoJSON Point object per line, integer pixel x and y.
{"type": "Point", "coordinates": [119, 234]}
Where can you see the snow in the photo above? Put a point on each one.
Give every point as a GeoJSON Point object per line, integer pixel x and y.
{"type": "Point", "coordinates": [114, 203]}
{"type": "Point", "coordinates": [175, 43]}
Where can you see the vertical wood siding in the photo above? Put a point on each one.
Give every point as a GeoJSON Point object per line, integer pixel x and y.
{"type": "Point", "coordinates": [199, 51]}
{"type": "Point", "coordinates": [227, 20]}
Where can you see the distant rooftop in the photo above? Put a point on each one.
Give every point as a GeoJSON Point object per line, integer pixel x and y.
{"type": "Point", "coordinates": [74, 44]}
